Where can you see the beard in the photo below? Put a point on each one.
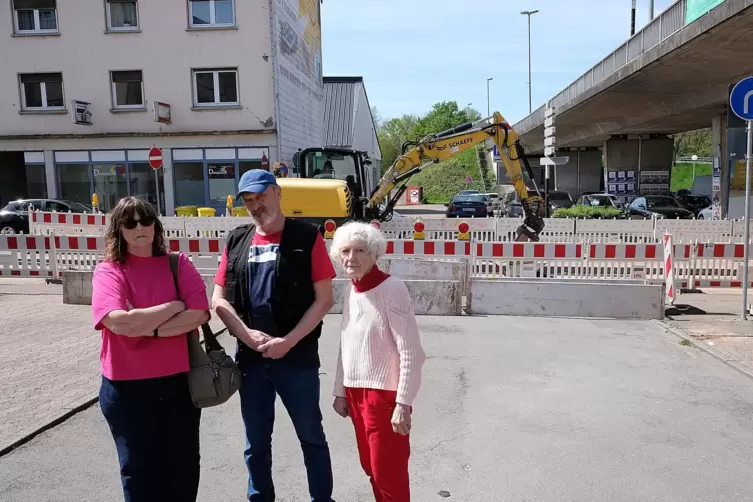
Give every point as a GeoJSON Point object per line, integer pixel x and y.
{"type": "Point", "coordinates": [262, 216]}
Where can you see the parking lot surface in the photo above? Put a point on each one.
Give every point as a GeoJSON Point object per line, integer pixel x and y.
{"type": "Point", "coordinates": [510, 409]}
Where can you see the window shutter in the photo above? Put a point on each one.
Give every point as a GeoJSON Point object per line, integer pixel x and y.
{"type": "Point", "coordinates": [34, 4]}
{"type": "Point", "coordinates": [35, 78]}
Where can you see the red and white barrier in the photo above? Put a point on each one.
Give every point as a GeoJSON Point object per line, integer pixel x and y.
{"type": "Point", "coordinates": [669, 269]}
{"type": "Point", "coordinates": [687, 266]}
{"type": "Point", "coordinates": [557, 230]}
{"type": "Point", "coordinates": [72, 219]}
{"type": "Point", "coordinates": [428, 248]}
{"type": "Point", "coordinates": [529, 250]}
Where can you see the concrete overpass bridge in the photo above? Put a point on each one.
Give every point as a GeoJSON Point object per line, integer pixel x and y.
{"type": "Point", "coordinates": [670, 77]}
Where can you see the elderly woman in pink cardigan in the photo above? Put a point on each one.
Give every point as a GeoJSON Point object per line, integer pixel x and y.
{"type": "Point", "coordinates": [379, 362]}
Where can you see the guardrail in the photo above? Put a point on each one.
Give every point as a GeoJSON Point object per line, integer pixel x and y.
{"type": "Point", "coordinates": [663, 26]}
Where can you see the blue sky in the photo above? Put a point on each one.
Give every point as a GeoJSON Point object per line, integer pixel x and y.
{"type": "Point", "coordinates": [414, 53]}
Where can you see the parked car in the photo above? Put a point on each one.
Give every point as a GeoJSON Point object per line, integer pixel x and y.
{"type": "Point", "coordinates": [693, 203]}
{"type": "Point", "coordinates": [467, 205]}
{"type": "Point", "coordinates": [558, 199]}
{"type": "Point", "coordinates": [511, 205]}
{"type": "Point", "coordinates": [599, 200]}
{"type": "Point", "coordinates": [496, 201]}
{"type": "Point", "coordinates": [489, 203]}
{"type": "Point", "coordinates": [14, 218]}
{"type": "Point", "coordinates": [658, 206]}
{"type": "Point", "coordinates": [705, 214]}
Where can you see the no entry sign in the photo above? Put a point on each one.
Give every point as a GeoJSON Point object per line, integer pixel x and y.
{"type": "Point", "coordinates": [155, 158]}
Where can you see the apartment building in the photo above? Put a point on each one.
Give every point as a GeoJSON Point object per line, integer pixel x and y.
{"type": "Point", "coordinates": [220, 86]}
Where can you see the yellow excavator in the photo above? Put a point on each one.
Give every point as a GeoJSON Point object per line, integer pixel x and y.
{"type": "Point", "coordinates": [333, 182]}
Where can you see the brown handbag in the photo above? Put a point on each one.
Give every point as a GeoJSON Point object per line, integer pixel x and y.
{"type": "Point", "coordinates": [213, 376]}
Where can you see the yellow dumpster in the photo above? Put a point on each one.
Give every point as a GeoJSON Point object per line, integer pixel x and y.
{"type": "Point", "coordinates": [186, 211]}
{"type": "Point", "coordinates": [206, 211]}
{"type": "Point", "coordinates": [240, 211]}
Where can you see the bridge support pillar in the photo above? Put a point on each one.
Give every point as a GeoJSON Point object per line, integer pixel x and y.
{"type": "Point", "coordinates": [638, 166]}
{"type": "Point", "coordinates": [582, 173]}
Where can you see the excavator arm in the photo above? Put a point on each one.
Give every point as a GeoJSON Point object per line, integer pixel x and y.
{"type": "Point", "coordinates": [438, 147]}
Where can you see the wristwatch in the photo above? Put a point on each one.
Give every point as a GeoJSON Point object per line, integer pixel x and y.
{"type": "Point", "coordinates": [156, 333]}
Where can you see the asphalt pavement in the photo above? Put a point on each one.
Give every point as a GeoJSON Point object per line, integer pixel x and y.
{"type": "Point", "coordinates": [510, 409]}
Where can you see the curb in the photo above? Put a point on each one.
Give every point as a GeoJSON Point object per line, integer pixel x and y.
{"type": "Point", "coordinates": [726, 359]}
{"type": "Point", "coordinates": [28, 436]}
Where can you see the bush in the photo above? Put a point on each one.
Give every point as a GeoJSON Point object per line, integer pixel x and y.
{"type": "Point", "coordinates": [587, 212]}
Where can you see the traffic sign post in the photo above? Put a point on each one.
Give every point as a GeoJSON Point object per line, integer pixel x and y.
{"type": "Point", "coordinates": [155, 162]}
{"type": "Point", "coordinates": [550, 148]}
{"type": "Point", "coordinates": [741, 103]}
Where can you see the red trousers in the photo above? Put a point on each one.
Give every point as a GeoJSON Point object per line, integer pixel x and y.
{"type": "Point", "coordinates": [384, 453]}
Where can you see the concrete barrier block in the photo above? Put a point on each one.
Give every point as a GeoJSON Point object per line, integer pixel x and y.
{"type": "Point", "coordinates": [429, 297]}
{"type": "Point", "coordinates": [422, 268]}
{"type": "Point", "coordinates": [597, 299]}
{"type": "Point", "coordinates": [77, 287]}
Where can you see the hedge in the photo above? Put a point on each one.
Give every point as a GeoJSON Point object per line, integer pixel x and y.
{"type": "Point", "coordinates": [587, 212]}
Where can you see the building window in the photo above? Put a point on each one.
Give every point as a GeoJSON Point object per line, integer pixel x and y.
{"type": "Point", "coordinates": [35, 16]}
{"type": "Point", "coordinates": [215, 87]}
{"type": "Point", "coordinates": [127, 89]}
{"type": "Point", "coordinates": [122, 15]}
{"type": "Point", "coordinates": [209, 13]}
{"type": "Point", "coordinates": [42, 91]}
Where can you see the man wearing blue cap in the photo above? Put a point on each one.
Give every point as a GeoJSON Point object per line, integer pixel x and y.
{"type": "Point", "coordinates": [272, 289]}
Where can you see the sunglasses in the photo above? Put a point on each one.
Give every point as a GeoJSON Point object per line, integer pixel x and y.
{"type": "Point", "coordinates": [131, 223]}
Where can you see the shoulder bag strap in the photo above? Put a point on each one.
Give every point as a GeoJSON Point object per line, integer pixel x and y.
{"type": "Point", "coordinates": [210, 339]}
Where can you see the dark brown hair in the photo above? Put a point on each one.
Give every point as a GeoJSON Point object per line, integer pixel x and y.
{"type": "Point", "coordinates": [116, 248]}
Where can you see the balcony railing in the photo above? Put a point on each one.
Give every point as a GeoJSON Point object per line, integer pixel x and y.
{"type": "Point", "coordinates": [659, 29]}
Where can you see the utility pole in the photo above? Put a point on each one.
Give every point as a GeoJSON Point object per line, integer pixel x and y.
{"type": "Point", "coordinates": [632, 20]}
{"type": "Point", "coordinates": [529, 13]}
{"type": "Point", "coordinates": [651, 10]}
{"type": "Point", "coordinates": [488, 100]}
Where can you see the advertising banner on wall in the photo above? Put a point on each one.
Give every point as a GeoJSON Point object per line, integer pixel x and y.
{"type": "Point", "coordinates": [298, 74]}
{"type": "Point", "coordinates": [716, 190]}
{"type": "Point", "coordinates": [696, 8]}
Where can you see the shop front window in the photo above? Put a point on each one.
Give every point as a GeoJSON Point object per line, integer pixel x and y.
{"type": "Point", "coordinates": [221, 182]}
{"type": "Point", "coordinates": [74, 182]}
{"type": "Point", "coordinates": [189, 183]}
{"type": "Point", "coordinates": [36, 182]}
{"type": "Point", "coordinates": [109, 184]}
{"type": "Point", "coordinates": [142, 184]}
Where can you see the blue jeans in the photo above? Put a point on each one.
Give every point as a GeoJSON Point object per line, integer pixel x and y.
{"type": "Point", "coordinates": [299, 390]}
{"type": "Point", "coordinates": [156, 431]}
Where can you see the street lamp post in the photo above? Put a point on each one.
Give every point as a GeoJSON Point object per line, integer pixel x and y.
{"type": "Point", "coordinates": [529, 13]}
{"type": "Point", "coordinates": [632, 20]}
{"type": "Point", "coordinates": [488, 102]}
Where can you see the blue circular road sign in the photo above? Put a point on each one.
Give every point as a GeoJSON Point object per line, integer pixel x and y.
{"type": "Point", "coordinates": [741, 99]}
{"type": "Point", "coordinates": [284, 169]}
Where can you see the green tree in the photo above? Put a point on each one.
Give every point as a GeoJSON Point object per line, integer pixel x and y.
{"type": "Point", "coordinates": [377, 117]}
{"type": "Point", "coordinates": [443, 180]}
{"type": "Point", "coordinates": [392, 134]}
{"type": "Point", "coordinates": [442, 116]}
{"type": "Point", "coordinates": [696, 142]}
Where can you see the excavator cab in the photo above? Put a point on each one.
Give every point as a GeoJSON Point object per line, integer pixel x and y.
{"type": "Point", "coordinates": [352, 167]}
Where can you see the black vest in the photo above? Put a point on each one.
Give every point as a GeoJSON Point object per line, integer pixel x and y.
{"type": "Point", "coordinates": [292, 288]}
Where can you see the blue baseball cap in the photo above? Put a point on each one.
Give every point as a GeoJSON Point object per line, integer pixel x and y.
{"type": "Point", "coordinates": [255, 181]}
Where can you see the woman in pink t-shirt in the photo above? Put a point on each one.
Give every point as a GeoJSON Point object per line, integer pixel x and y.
{"type": "Point", "coordinates": [144, 355]}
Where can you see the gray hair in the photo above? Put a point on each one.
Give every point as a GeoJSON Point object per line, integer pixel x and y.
{"type": "Point", "coordinates": [355, 231]}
